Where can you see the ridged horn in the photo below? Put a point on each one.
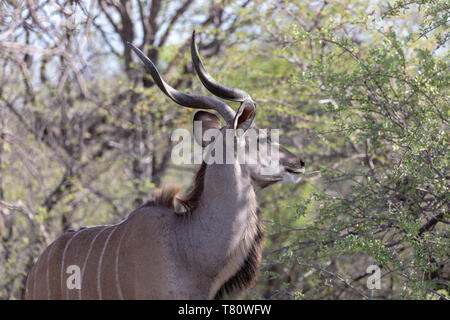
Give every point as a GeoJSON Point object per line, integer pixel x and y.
{"type": "Point", "coordinates": [183, 99]}
{"type": "Point", "coordinates": [212, 85]}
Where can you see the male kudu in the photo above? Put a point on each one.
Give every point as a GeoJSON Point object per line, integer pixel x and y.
{"type": "Point", "coordinates": [213, 247]}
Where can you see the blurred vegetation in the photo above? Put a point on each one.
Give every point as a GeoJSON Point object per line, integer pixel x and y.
{"type": "Point", "coordinates": [358, 88]}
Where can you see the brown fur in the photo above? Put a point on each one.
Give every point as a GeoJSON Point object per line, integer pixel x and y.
{"type": "Point", "coordinates": [165, 197]}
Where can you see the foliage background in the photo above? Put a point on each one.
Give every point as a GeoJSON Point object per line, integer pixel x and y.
{"type": "Point", "coordinates": [359, 89]}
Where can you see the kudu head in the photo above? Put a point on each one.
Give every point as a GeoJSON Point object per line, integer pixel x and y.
{"type": "Point", "coordinates": [264, 167]}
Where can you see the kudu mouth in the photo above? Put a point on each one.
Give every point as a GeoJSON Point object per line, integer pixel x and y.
{"type": "Point", "coordinates": [295, 171]}
{"type": "Point", "coordinates": [292, 175]}
{"type": "Point", "coordinates": [292, 164]}
{"type": "Point", "coordinates": [294, 167]}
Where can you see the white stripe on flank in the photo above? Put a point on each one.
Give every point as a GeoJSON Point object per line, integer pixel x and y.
{"type": "Point", "coordinates": [48, 267]}
{"type": "Point", "coordinates": [34, 276]}
{"type": "Point", "coordinates": [87, 257]}
{"type": "Point", "coordinates": [62, 262]}
{"type": "Point", "coordinates": [116, 267]}
{"type": "Point", "coordinates": [75, 235]}
{"type": "Point", "coordinates": [99, 268]}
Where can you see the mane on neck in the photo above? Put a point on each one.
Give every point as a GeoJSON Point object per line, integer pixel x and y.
{"type": "Point", "coordinates": [166, 196]}
{"type": "Point", "coordinates": [191, 200]}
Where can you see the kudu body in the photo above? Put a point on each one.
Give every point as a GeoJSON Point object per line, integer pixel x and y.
{"type": "Point", "coordinates": [212, 248]}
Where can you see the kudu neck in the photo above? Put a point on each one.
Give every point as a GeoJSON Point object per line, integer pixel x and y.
{"type": "Point", "coordinates": [223, 224]}
{"type": "Point", "coordinates": [227, 191]}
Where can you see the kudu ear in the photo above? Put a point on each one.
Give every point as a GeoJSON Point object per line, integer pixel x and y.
{"type": "Point", "coordinates": [204, 121]}
{"type": "Point", "coordinates": [245, 115]}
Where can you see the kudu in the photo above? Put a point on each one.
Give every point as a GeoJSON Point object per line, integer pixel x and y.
{"type": "Point", "coordinates": [212, 248]}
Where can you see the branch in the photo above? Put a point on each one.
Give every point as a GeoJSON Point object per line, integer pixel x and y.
{"type": "Point", "coordinates": [172, 22]}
